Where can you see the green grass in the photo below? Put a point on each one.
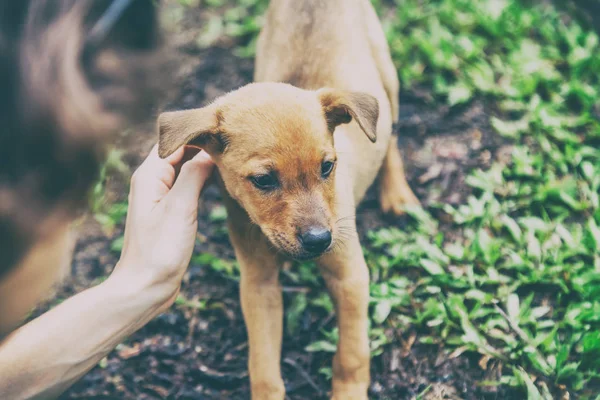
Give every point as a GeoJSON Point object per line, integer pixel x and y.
{"type": "Point", "coordinates": [520, 281]}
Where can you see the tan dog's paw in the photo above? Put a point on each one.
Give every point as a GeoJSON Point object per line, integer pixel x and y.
{"type": "Point", "coordinates": [349, 396]}
{"type": "Point", "coordinates": [350, 391]}
{"type": "Point", "coordinates": [268, 390]}
{"type": "Point", "coordinates": [394, 193]}
{"type": "Point", "coordinates": [394, 198]}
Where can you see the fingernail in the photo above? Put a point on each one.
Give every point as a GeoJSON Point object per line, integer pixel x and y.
{"type": "Point", "coordinates": [203, 155]}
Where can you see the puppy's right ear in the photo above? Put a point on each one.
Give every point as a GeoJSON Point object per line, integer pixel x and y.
{"type": "Point", "coordinates": [198, 127]}
{"type": "Point", "coordinates": [341, 107]}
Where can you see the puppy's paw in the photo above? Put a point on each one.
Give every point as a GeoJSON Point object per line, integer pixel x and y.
{"type": "Point", "coordinates": [349, 396]}
{"type": "Point", "coordinates": [272, 390]}
{"type": "Point", "coordinates": [350, 391]}
{"type": "Point", "coordinates": [394, 198]}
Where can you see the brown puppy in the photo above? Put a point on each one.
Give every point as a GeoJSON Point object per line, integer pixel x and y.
{"type": "Point", "coordinates": [296, 162]}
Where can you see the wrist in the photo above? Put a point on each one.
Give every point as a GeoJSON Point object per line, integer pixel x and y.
{"type": "Point", "coordinates": [139, 289]}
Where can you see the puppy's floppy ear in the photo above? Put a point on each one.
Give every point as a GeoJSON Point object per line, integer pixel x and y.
{"type": "Point", "coordinates": [340, 107]}
{"type": "Point", "coordinates": [198, 127]}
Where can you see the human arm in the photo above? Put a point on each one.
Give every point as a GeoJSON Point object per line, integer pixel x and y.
{"type": "Point", "coordinates": [44, 357]}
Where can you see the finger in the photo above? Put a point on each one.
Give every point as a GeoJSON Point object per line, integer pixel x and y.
{"type": "Point", "coordinates": [191, 179]}
{"type": "Point", "coordinates": [157, 170]}
{"type": "Point", "coordinates": [176, 157]}
{"type": "Point", "coordinates": [153, 162]}
{"type": "Point", "coordinates": [189, 152]}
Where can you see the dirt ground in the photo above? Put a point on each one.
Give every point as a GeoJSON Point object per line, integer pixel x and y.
{"type": "Point", "coordinates": [202, 354]}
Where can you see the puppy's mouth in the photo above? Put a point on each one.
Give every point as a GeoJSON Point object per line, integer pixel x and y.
{"type": "Point", "coordinates": [304, 256]}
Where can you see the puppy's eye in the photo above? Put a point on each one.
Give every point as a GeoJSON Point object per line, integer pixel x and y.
{"type": "Point", "coordinates": [326, 168]}
{"type": "Point", "coordinates": [264, 182]}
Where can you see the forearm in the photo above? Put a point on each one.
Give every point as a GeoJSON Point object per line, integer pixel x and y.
{"type": "Point", "coordinates": [45, 356]}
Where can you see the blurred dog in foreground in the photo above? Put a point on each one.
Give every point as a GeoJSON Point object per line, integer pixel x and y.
{"type": "Point", "coordinates": [295, 161]}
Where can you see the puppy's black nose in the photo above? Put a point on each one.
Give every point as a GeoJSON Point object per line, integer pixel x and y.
{"type": "Point", "coordinates": [315, 239]}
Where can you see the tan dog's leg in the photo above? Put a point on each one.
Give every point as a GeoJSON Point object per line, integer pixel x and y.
{"type": "Point", "coordinates": [262, 307]}
{"type": "Point", "coordinates": [394, 192]}
{"type": "Point", "coordinates": [347, 277]}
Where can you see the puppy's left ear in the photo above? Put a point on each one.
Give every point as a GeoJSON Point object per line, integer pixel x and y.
{"type": "Point", "coordinates": [340, 107]}
{"type": "Point", "coordinates": [198, 127]}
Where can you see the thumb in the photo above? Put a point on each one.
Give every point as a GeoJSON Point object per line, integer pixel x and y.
{"type": "Point", "coordinates": [191, 179]}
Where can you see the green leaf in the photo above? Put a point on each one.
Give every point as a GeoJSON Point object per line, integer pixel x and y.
{"type": "Point", "coordinates": [116, 245]}
{"type": "Point", "coordinates": [459, 93]}
{"type": "Point", "coordinates": [512, 227]}
{"type": "Point", "coordinates": [512, 307]}
{"type": "Point", "coordinates": [482, 77]}
{"type": "Point", "coordinates": [532, 391]}
{"type": "Point", "coordinates": [432, 267]}
{"type": "Point", "coordinates": [382, 311]}
{"type": "Point", "coordinates": [321, 345]}
{"type": "Point", "coordinates": [293, 313]}
{"type": "Point", "coordinates": [592, 236]}
{"type": "Point", "coordinates": [511, 129]}
{"type": "Point", "coordinates": [218, 214]}
{"type": "Point", "coordinates": [212, 31]}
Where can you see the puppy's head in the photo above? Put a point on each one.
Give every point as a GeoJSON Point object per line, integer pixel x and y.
{"type": "Point", "coordinates": [273, 145]}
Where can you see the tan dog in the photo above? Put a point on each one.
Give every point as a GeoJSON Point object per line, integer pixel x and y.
{"type": "Point", "coordinates": [296, 162]}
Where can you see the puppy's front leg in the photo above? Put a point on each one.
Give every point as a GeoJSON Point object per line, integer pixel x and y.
{"type": "Point", "coordinates": [347, 277]}
{"type": "Point", "coordinates": [262, 307]}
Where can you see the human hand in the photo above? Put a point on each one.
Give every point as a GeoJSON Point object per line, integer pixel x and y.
{"type": "Point", "coordinates": [161, 224]}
